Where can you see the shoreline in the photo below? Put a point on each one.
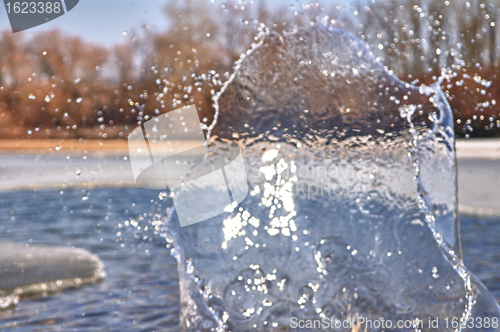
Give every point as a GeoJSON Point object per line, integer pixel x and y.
{"type": "Point", "coordinates": [483, 148]}
{"type": "Point", "coordinates": [73, 145]}
{"type": "Point", "coordinates": [80, 146]}
{"type": "Point", "coordinates": [64, 164]}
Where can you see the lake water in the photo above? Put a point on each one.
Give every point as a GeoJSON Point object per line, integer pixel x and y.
{"type": "Point", "coordinates": [141, 289]}
{"type": "Point", "coordinates": [140, 292]}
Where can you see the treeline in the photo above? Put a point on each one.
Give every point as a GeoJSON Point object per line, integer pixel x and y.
{"type": "Point", "coordinates": [418, 39]}
{"type": "Point", "coordinates": [52, 85]}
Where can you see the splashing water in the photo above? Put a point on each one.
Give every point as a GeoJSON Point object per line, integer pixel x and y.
{"type": "Point", "coordinates": [352, 210]}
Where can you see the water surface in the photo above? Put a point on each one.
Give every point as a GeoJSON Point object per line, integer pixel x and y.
{"type": "Point", "coordinates": [140, 292]}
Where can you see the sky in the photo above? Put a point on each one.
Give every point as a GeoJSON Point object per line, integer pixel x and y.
{"type": "Point", "coordinates": [104, 21]}
{"type": "Point", "coordinates": [101, 21]}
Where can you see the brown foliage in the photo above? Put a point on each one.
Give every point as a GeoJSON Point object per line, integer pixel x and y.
{"type": "Point", "coordinates": [54, 85]}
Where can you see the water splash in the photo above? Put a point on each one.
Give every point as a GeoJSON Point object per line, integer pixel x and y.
{"type": "Point", "coordinates": [312, 241]}
{"type": "Point", "coordinates": [426, 203]}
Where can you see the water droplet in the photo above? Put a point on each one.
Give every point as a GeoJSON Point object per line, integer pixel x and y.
{"type": "Point", "coordinates": [435, 274]}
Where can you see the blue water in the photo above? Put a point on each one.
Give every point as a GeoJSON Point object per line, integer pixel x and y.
{"type": "Point", "coordinates": [140, 292]}
{"type": "Point", "coordinates": [141, 289]}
